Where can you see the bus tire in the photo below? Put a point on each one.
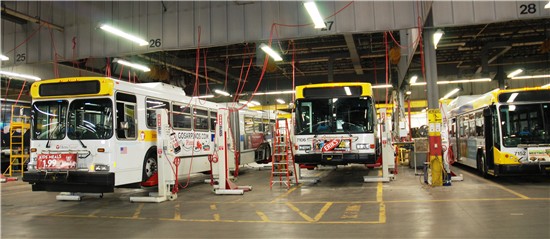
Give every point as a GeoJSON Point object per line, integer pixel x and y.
{"type": "Point", "coordinates": [481, 164]}
{"type": "Point", "coordinates": [150, 165]}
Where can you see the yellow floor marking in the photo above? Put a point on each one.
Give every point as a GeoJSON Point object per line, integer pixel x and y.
{"type": "Point", "coordinates": [382, 213]}
{"type": "Point", "coordinates": [303, 215]}
{"type": "Point", "coordinates": [352, 211]}
{"type": "Point", "coordinates": [217, 217]}
{"type": "Point", "coordinates": [503, 188]}
{"type": "Point", "coordinates": [138, 210]}
{"type": "Point", "coordinates": [262, 216]}
{"type": "Point", "coordinates": [287, 193]}
{"type": "Point", "coordinates": [308, 218]}
{"type": "Point", "coordinates": [323, 211]}
{"type": "Point", "coordinates": [177, 213]}
{"type": "Point", "coordinates": [213, 207]}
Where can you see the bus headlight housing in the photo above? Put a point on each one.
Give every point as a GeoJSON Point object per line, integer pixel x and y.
{"type": "Point", "coordinates": [362, 146]}
{"type": "Point", "coordinates": [304, 147]}
{"type": "Point", "coordinates": [101, 167]}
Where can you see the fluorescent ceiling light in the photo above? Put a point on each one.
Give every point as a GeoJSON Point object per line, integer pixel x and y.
{"type": "Point", "coordinates": [451, 93]}
{"type": "Point", "coordinates": [256, 103]}
{"type": "Point", "coordinates": [4, 58]}
{"type": "Point", "coordinates": [20, 76]}
{"type": "Point", "coordinates": [133, 65]}
{"type": "Point", "coordinates": [408, 92]}
{"type": "Point", "coordinates": [546, 86]}
{"type": "Point", "coordinates": [348, 91]}
{"type": "Point", "coordinates": [280, 101]}
{"type": "Point", "coordinates": [445, 82]}
{"type": "Point", "coordinates": [512, 97]}
{"type": "Point", "coordinates": [515, 73]}
{"type": "Point", "coordinates": [271, 52]}
{"type": "Point", "coordinates": [413, 79]}
{"type": "Point", "coordinates": [275, 92]}
{"type": "Point", "coordinates": [547, 6]}
{"type": "Point", "coordinates": [221, 92]}
{"type": "Point", "coordinates": [530, 77]}
{"type": "Point", "coordinates": [125, 35]}
{"type": "Point", "coordinates": [203, 96]}
{"type": "Point", "coordinates": [313, 12]}
{"type": "Point", "coordinates": [378, 86]}
{"type": "Point", "coordinates": [437, 36]}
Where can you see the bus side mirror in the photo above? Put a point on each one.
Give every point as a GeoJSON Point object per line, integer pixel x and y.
{"type": "Point", "coordinates": [124, 125]}
{"type": "Point", "coordinates": [487, 112]}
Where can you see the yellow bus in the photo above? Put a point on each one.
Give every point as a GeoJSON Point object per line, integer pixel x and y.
{"type": "Point", "coordinates": [502, 132]}
{"type": "Point", "coordinates": [91, 134]}
{"type": "Point", "coordinates": [335, 124]}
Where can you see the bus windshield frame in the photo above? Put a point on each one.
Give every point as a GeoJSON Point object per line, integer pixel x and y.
{"type": "Point", "coordinates": [347, 115]}
{"type": "Point", "coordinates": [526, 124]}
{"type": "Point", "coordinates": [49, 119]}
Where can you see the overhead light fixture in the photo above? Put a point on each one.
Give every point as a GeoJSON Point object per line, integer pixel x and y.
{"type": "Point", "coordinates": [221, 92]}
{"type": "Point", "coordinates": [280, 101]}
{"type": "Point", "coordinates": [133, 65]}
{"type": "Point", "coordinates": [122, 34]}
{"type": "Point", "coordinates": [419, 83]}
{"type": "Point", "coordinates": [546, 86]}
{"type": "Point", "coordinates": [413, 79]}
{"type": "Point", "coordinates": [313, 12]}
{"type": "Point", "coordinates": [203, 96]}
{"type": "Point", "coordinates": [348, 91]}
{"type": "Point", "coordinates": [408, 92]}
{"type": "Point", "coordinates": [547, 6]}
{"type": "Point", "coordinates": [376, 87]}
{"type": "Point", "coordinates": [451, 93]}
{"type": "Point", "coordinates": [275, 92]}
{"type": "Point", "coordinates": [530, 77]}
{"type": "Point", "coordinates": [256, 103]}
{"type": "Point", "coordinates": [515, 73]}
{"type": "Point", "coordinates": [20, 76]}
{"type": "Point", "coordinates": [4, 58]}
{"type": "Point", "coordinates": [271, 52]}
{"type": "Point", "coordinates": [437, 36]}
{"type": "Point", "coordinates": [512, 97]}
{"type": "Point", "coordinates": [463, 81]}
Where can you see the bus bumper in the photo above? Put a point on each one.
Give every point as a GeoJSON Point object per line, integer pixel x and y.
{"type": "Point", "coordinates": [72, 181]}
{"type": "Point", "coordinates": [335, 159]}
{"type": "Point", "coordinates": [523, 169]}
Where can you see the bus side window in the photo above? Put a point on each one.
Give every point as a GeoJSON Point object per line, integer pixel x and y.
{"type": "Point", "coordinates": [479, 123]}
{"type": "Point", "coordinates": [152, 105]}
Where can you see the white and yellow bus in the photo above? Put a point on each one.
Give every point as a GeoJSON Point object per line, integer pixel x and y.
{"type": "Point", "coordinates": [502, 132]}
{"type": "Point", "coordinates": [335, 124]}
{"type": "Point", "coordinates": [92, 134]}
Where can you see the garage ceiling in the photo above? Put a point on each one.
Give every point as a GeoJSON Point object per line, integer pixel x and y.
{"type": "Point", "coordinates": [464, 52]}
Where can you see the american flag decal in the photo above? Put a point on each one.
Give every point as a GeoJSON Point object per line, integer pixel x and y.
{"type": "Point", "coordinates": [123, 150]}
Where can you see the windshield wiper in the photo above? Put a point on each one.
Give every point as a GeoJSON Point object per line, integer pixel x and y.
{"type": "Point", "coordinates": [79, 140]}
{"type": "Point", "coordinates": [48, 143]}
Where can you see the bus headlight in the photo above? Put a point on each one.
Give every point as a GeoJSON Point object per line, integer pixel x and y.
{"type": "Point", "coordinates": [304, 147]}
{"type": "Point", "coordinates": [362, 146]}
{"type": "Point", "coordinates": [101, 167]}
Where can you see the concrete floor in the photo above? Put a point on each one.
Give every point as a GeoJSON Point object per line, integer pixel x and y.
{"type": "Point", "coordinates": [340, 206]}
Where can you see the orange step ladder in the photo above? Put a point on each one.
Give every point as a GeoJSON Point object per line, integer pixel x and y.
{"type": "Point", "coordinates": [283, 168]}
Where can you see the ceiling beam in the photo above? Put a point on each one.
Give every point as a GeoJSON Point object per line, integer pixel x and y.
{"type": "Point", "coordinates": [353, 53]}
{"type": "Point", "coordinates": [19, 15]}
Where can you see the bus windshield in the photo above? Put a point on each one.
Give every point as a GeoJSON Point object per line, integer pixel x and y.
{"type": "Point", "coordinates": [525, 124]}
{"type": "Point", "coordinates": [334, 115]}
{"type": "Point", "coordinates": [49, 119]}
{"type": "Point", "coordinates": [90, 119]}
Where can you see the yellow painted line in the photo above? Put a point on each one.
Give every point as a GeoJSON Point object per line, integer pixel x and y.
{"type": "Point", "coordinates": [287, 193]}
{"type": "Point", "coordinates": [213, 207]}
{"type": "Point", "coordinates": [502, 187]}
{"type": "Point", "coordinates": [138, 210]}
{"type": "Point", "coordinates": [217, 217]}
{"type": "Point", "coordinates": [177, 213]}
{"type": "Point", "coordinates": [382, 213]}
{"type": "Point", "coordinates": [323, 211]}
{"type": "Point", "coordinates": [263, 216]}
{"type": "Point", "coordinates": [351, 212]}
{"type": "Point", "coordinates": [303, 215]}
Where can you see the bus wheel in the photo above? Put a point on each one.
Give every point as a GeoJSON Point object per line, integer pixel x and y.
{"type": "Point", "coordinates": [150, 166]}
{"type": "Point", "coordinates": [481, 164]}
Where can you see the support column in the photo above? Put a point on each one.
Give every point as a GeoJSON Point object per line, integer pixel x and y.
{"type": "Point", "coordinates": [434, 115]}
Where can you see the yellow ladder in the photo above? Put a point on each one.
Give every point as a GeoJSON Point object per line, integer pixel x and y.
{"type": "Point", "coordinates": [282, 160]}
{"type": "Point", "coordinates": [19, 154]}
